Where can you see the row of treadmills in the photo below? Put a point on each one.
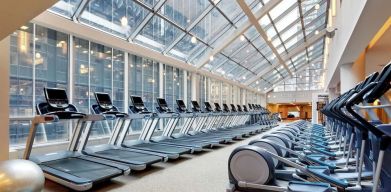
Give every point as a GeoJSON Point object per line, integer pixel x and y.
{"type": "Point", "coordinates": [182, 131]}
{"type": "Point", "coordinates": [350, 153]}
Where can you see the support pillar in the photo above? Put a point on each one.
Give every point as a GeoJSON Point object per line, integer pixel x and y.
{"type": "Point", "coordinates": [4, 95]}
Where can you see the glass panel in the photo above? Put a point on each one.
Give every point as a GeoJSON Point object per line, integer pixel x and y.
{"type": "Point", "coordinates": [21, 72]}
{"type": "Point", "coordinates": [210, 25]}
{"type": "Point", "coordinates": [183, 12]}
{"type": "Point", "coordinates": [80, 75]}
{"type": "Point", "coordinates": [157, 34]}
{"type": "Point", "coordinates": [281, 7]}
{"type": "Point", "coordinates": [287, 19]}
{"type": "Point", "coordinates": [119, 18]}
{"type": "Point", "coordinates": [118, 79]}
{"type": "Point", "coordinates": [150, 3]}
{"type": "Point", "coordinates": [185, 47]}
{"type": "Point", "coordinates": [65, 7]}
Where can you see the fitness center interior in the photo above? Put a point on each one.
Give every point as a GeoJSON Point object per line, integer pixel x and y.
{"type": "Point", "coordinates": [195, 95]}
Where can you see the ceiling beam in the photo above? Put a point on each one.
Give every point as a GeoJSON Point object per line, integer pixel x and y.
{"type": "Point", "coordinates": [319, 59]}
{"type": "Point", "coordinates": [14, 14]}
{"type": "Point", "coordinates": [239, 31]}
{"type": "Point", "coordinates": [254, 21]}
{"type": "Point", "coordinates": [294, 52]}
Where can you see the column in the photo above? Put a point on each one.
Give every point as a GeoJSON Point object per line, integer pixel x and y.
{"type": "Point", "coordinates": [4, 101]}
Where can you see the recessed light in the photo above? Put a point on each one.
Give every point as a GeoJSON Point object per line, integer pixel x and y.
{"type": "Point", "coordinates": [193, 39]}
{"type": "Point", "coordinates": [24, 27]}
{"type": "Point", "coordinates": [242, 38]}
{"type": "Point", "coordinates": [211, 58]}
{"type": "Point", "coordinates": [317, 6]}
{"type": "Point", "coordinates": [124, 21]}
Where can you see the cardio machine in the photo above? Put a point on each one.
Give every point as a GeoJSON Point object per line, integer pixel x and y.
{"type": "Point", "coordinates": [70, 167]}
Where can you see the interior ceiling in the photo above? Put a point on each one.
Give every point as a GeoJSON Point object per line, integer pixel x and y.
{"type": "Point", "coordinates": [196, 32]}
{"type": "Point", "coordinates": [13, 18]}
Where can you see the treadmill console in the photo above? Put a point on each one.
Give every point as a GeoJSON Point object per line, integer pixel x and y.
{"type": "Point", "coordinates": [208, 107]}
{"type": "Point", "coordinates": [233, 108]}
{"type": "Point", "coordinates": [250, 107]}
{"type": "Point", "coordinates": [162, 106]}
{"type": "Point", "coordinates": [138, 105]}
{"type": "Point", "coordinates": [181, 106]}
{"type": "Point", "coordinates": [105, 105]}
{"type": "Point", "coordinates": [56, 98]}
{"type": "Point", "coordinates": [104, 100]}
{"type": "Point", "coordinates": [245, 108]}
{"type": "Point", "coordinates": [226, 108]}
{"type": "Point", "coordinates": [196, 106]}
{"type": "Point", "coordinates": [57, 103]}
{"type": "Point", "coordinates": [217, 107]}
{"type": "Point", "coordinates": [239, 108]}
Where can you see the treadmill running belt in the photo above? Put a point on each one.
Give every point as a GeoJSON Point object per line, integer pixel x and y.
{"type": "Point", "coordinates": [128, 155]}
{"type": "Point", "coordinates": [84, 169]}
{"type": "Point", "coordinates": [162, 148]}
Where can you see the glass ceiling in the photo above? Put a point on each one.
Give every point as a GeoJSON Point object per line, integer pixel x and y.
{"type": "Point", "coordinates": [189, 30]}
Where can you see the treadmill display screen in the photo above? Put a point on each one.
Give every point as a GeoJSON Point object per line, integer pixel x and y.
{"type": "Point", "coordinates": [239, 108]}
{"type": "Point", "coordinates": [233, 107]}
{"type": "Point", "coordinates": [195, 105]}
{"type": "Point", "coordinates": [226, 108]}
{"type": "Point", "coordinates": [162, 104]}
{"type": "Point", "coordinates": [56, 94]}
{"type": "Point", "coordinates": [181, 104]}
{"type": "Point", "coordinates": [103, 100]}
{"type": "Point", "coordinates": [137, 101]}
{"type": "Point", "coordinates": [249, 106]}
{"type": "Point", "coordinates": [208, 106]}
{"type": "Point", "coordinates": [217, 106]}
{"type": "Point", "coordinates": [56, 97]}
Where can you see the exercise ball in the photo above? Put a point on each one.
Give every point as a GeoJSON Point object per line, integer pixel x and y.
{"type": "Point", "coordinates": [20, 175]}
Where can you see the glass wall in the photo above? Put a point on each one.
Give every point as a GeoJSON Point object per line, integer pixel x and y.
{"type": "Point", "coordinates": [144, 80]}
{"type": "Point", "coordinates": [39, 58]}
{"type": "Point", "coordinates": [173, 85]}
{"type": "Point", "coordinates": [215, 91]}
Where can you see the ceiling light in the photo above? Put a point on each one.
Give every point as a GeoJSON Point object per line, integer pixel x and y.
{"type": "Point", "coordinates": [244, 77]}
{"type": "Point", "coordinates": [257, 82]}
{"type": "Point", "coordinates": [124, 21]}
{"type": "Point", "coordinates": [242, 38]}
{"type": "Point", "coordinates": [316, 32]}
{"type": "Point", "coordinates": [193, 39]}
{"type": "Point", "coordinates": [269, 39]}
{"type": "Point", "coordinates": [37, 55]}
{"type": "Point", "coordinates": [317, 6]}
{"type": "Point", "coordinates": [211, 58]}
{"type": "Point", "coordinates": [247, 51]}
{"type": "Point", "coordinates": [108, 51]}
{"type": "Point", "coordinates": [77, 46]}
{"type": "Point", "coordinates": [259, 89]}
{"type": "Point", "coordinates": [108, 66]}
{"type": "Point", "coordinates": [24, 27]}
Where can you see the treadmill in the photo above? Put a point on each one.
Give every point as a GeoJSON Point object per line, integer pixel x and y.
{"type": "Point", "coordinates": [166, 137]}
{"type": "Point", "coordinates": [70, 167]}
{"type": "Point", "coordinates": [199, 135]}
{"type": "Point", "coordinates": [143, 142]}
{"type": "Point", "coordinates": [135, 159]}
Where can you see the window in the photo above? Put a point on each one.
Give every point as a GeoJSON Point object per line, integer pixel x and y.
{"type": "Point", "coordinates": [36, 62]}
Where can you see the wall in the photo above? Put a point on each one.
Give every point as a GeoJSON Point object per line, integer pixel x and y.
{"type": "Point", "coordinates": [290, 96]}
{"type": "Point", "coordinates": [284, 110]}
{"type": "Point", "coordinates": [357, 23]}
{"type": "Point", "coordinates": [379, 54]}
